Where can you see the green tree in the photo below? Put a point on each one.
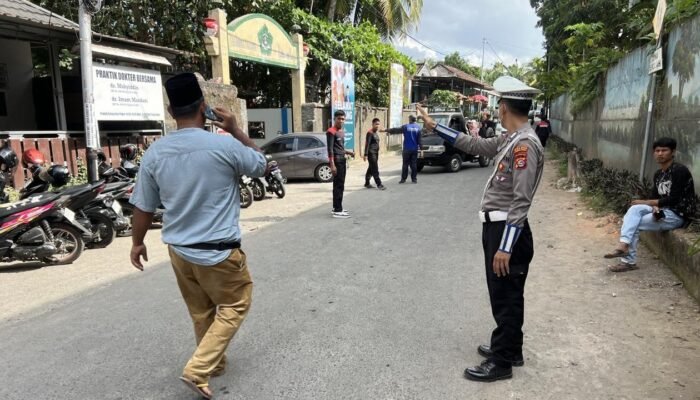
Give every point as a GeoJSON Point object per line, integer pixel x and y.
{"type": "Point", "coordinates": [178, 24]}
{"type": "Point", "coordinates": [455, 60]}
{"type": "Point", "coordinates": [391, 17]}
{"type": "Point", "coordinates": [584, 38]}
{"type": "Point", "coordinates": [443, 98]}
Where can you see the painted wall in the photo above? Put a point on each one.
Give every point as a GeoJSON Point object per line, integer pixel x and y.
{"type": "Point", "coordinates": [275, 119]}
{"type": "Point", "coordinates": [612, 127]}
{"type": "Point", "coordinates": [16, 83]}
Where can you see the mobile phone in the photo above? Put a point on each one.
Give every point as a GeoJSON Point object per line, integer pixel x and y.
{"type": "Point", "coordinates": [210, 114]}
{"type": "Point", "coordinates": [660, 215]}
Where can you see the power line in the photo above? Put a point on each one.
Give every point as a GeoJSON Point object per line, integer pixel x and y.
{"type": "Point", "coordinates": [499, 57]}
{"type": "Point", "coordinates": [376, 12]}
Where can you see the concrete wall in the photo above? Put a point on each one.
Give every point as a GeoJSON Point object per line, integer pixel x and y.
{"type": "Point", "coordinates": [672, 247]}
{"type": "Point", "coordinates": [17, 71]}
{"type": "Point", "coordinates": [612, 128]}
{"type": "Point", "coordinates": [217, 95]}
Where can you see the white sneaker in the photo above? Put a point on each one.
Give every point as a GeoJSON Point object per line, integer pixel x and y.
{"type": "Point", "coordinates": [344, 210]}
{"type": "Point", "coordinates": [341, 214]}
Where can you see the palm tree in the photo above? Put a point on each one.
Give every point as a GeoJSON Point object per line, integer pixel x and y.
{"type": "Point", "coordinates": [392, 17]}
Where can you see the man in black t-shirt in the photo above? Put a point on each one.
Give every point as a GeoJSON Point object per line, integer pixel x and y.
{"type": "Point", "coordinates": [671, 205]}
{"type": "Point", "coordinates": [335, 141]}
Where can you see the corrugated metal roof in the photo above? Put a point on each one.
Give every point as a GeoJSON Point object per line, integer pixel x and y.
{"type": "Point", "coordinates": [30, 12]}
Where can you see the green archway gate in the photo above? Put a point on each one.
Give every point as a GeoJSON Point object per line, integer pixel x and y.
{"type": "Point", "coordinates": [258, 38]}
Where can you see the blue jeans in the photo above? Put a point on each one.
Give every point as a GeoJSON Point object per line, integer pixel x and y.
{"type": "Point", "coordinates": [640, 218]}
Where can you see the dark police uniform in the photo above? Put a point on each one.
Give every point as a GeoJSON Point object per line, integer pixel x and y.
{"type": "Point", "coordinates": [519, 160]}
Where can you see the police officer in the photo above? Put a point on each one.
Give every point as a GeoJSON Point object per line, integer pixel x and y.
{"type": "Point", "coordinates": [506, 238]}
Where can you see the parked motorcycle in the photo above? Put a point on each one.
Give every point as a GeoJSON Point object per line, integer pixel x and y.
{"type": "Point", "coordinates": [274, 178]}
{"type": "Point", "coordinates": [257, 185]}
{"type": "Point", "coordinates": [246, 191]}
{"type": "Point", "coordinates": [126, 173]}
{"type": "Point", "coordinates": [40, 228]}
{"type": "Point", "coordinates": [93, 212]}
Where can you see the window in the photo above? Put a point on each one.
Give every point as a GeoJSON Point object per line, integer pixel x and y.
{"type": "Point", "coordinates": [306, 143]}
{"type": "Point", "coordinates": [256, 129]}
{"type": "Point", "coordinates": [281, 146]}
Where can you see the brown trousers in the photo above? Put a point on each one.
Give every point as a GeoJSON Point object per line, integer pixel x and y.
{"type": "Point", "coordinates": [218, 298]}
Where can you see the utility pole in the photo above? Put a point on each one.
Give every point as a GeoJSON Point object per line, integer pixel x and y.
{"type": "Point", "coordinates": [483, 49]}
{"type": "Point", "coordinates": [92, 133]}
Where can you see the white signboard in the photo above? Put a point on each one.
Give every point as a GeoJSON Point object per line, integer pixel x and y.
{"type": "Point", "coordinates": [658, 21]}
{"type": "Point", "coordinates": [656, 61]}
{"type": "Point", "coordinates": [396, 88]}
{"type": "Point", "coordinates": [127, 94]}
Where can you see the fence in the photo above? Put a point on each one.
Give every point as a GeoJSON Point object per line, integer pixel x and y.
{"type": "Point", "coordinates": [65, 147]}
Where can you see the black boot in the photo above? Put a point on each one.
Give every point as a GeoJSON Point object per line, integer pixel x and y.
{"type": "Point", "coordinates": [488, 371]}
{"type": "Point", "coordinates": [485, 351]}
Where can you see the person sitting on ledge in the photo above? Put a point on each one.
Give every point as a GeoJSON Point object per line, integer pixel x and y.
{"type": "Point", "coordinates": [671, 205]}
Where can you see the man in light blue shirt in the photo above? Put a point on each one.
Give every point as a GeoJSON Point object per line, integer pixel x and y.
{"type": "Point", "coordinates": [194, 174]}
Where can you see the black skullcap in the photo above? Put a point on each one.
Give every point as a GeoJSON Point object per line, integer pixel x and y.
{"type": "Point", "coordinates": [183, 90]}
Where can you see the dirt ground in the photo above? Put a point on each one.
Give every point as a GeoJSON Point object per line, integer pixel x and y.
{"type": "Point", "coordinates": [628, 336]}
{"type": "Point", "coordinates": [634, 335]}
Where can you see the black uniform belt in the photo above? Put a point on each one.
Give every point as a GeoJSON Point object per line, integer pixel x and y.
{"type": "Point", "coordinates": [213, 246]}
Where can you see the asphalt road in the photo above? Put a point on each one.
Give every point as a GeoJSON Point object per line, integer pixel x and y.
{"type": "Point", "coordinates": [390, 304]}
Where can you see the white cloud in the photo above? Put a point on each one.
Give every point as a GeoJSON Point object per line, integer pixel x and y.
{"type": "Point", "coordinates": [508, 25]}
{"type": "Point", "coordinates": [415, 50]}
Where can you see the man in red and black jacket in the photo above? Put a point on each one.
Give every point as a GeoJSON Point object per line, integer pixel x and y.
{"type": "Point", "coordinates": [543, 129]}
{"type": "Point", "coordinates": [335, 141]}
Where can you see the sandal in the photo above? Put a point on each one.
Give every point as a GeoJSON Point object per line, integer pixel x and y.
{"type": "Point", "coordinates": [617, 253]}
{"type": "Point", "coordinates": [622, 267]}
{"type": "Point", "coordinates": [197, 387]}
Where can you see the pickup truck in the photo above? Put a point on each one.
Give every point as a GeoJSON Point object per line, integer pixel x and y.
{"type": "Point", "coordinates": [435, 151]}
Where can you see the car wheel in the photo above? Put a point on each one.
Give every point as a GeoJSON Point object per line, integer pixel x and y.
{"type": "Point", "coordinates": [420, 167]}
{"type": "Point", "coordinates": [323, 173]}
{"type": "Point", "coordinates": [484, 161]}
{"type": "Point", "coordinates": [455, 163]}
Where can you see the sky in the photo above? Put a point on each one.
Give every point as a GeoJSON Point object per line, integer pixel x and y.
{"type": "Point", "coordinates": [509, 27]}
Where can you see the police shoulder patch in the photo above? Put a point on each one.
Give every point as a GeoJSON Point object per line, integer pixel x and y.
{"type": "Point", "coordinates": [520, 157]}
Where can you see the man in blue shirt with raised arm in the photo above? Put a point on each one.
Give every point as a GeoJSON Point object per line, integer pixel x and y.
{"type": "Point", "coordinates": [411, 145]}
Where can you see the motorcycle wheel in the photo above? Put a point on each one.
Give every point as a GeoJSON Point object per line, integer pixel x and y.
{"type": "Point", "coordinates": [68, 241]}
{"type": "Point", "coordinates": [258, 188]}
{"type": "Point", "coordinates": [246, 196]}
{"type": "Point", "coordinates": [278, 188]}
{"type": "Point", "coordinates": [103, 232]}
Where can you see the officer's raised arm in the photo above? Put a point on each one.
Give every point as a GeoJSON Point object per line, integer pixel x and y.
{"type": "Point", "coordinates": [466, 143]}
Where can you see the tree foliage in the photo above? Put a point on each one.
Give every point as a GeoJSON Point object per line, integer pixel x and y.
{"type": "Point", "coordinates": [584, 38]}
{"type": "Point", "coordinates": [443, 98]}
{"type": "Point", "coordinates": [392, 18]}
{"type": "Point", "coordinates": [178, 24]}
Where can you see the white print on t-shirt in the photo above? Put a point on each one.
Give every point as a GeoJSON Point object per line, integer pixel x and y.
{"type": "Point", "coordinates": [664, 188]}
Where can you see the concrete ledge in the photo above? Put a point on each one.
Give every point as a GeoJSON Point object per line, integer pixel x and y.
{"type": "Point", "coordinates": [672, 248]}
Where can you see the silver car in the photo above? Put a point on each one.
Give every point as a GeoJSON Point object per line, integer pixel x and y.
{"type": "Point", "coordinates": [301, 155]}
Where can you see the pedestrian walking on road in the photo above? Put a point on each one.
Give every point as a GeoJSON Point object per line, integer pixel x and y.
{"type": "Point", "coordinates": [506, 236]}
{"type": "Point", "coordinates": [411, 145]}
{"type": "Point", "coordinates": [671, 205]}
{"type": "Point", "coordinates": [543, 130]}
{"type": "Point", "coordinates": [194, 174]}
{"type": "Point", "coordinates": [372, 154]}
{"type": "Point", "coordinates": [335, 140]}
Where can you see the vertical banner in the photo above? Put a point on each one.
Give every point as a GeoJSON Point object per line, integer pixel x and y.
{"type": "Point", "coordinates": [396, 92]}
{"type": "Point", "coordinates": [343, 97]}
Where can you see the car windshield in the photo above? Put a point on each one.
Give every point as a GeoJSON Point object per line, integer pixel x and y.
{"type": "Point", "coordinates": [440, 119]}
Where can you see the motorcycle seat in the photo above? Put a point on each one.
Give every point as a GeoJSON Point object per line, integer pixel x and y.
{"type": "Point", "coordinates": [114, 186]}
{"type": "Point", "coordinates": [8, 209]}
